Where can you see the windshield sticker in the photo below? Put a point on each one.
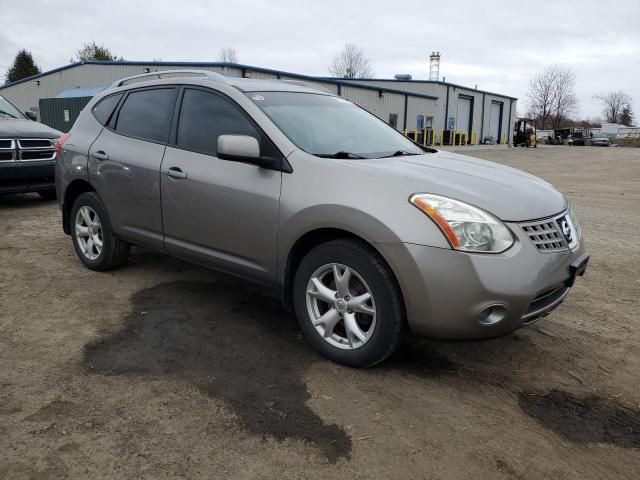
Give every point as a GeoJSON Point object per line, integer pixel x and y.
{"type": "Point", "coordinates": [257, 98]}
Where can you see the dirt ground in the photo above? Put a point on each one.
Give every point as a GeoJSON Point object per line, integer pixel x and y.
{"type": "Point", "coordinates": [165, 370]}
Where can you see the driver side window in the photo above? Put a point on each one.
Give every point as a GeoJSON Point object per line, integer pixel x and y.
{"type": "Point", "coordinates": [204, 116]}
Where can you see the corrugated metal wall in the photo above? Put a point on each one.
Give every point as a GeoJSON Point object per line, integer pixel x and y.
{"type": "Point", "coordinates": [60, 113]}
{"type": "Point", "coordinates": [380, 106]}
{"type": "Point", "coordinates": [26, 95]}
{"type": "Point", "coordinates": [442, 114]}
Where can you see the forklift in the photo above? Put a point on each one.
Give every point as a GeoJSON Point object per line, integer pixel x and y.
{"type": "Point", "coordinates": [524, 133]}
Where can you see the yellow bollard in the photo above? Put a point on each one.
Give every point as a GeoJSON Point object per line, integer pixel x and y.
{"type": "Point", "coordinates": [424, 137]}
{"type": "Point", "coordinates": [433, 138]}
{"type": "Point", "coordinates": [441, 137]}
{"type": "Point", "coordinates": [405, 132]}
{"type": "Point", "coordinates": [415, 135]}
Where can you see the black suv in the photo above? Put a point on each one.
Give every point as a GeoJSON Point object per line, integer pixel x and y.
{"type": "Point", "coordinates": [27, 153]}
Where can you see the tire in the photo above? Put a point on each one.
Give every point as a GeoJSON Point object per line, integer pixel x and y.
{"type": "Point", "coordinates": [113, 252]}
{"type": "Point", "coordinates": [383, 329]}
{"type": "Point", "coordinates": [47, 194]}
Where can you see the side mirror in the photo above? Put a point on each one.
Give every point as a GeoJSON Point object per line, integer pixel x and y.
{"type": "Point", "coordinates": [242, 148]}
{"type": "Point", "coordinates": [31, 115]}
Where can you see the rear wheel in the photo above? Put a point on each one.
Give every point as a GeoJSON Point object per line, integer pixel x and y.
{"type": "Point", "coordinates": [348, 304]}
{"type": "Point", "coordinates": [96, 244]}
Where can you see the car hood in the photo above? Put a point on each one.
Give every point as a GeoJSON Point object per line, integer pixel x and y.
{"type": "Point", "coordinates": [21, 128]}
{"type": "Point", "coordinates": [508, 193]}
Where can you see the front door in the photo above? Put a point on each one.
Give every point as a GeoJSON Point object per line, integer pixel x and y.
{"type": "Point", "coordinates": [217, 212]}
{"type": "Point", "coordinates": [124, 164]}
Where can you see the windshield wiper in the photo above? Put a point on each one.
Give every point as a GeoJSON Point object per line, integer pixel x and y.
{"type": "Point", "coordinates": [400, 153]}
{"type": "Point", "coordinates": [2, 112]}
{"type": "Point", "coordinates": [340, 154]}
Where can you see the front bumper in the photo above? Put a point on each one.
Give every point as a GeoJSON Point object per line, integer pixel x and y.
{"type": "Point", "coordinates": [445, 290]}
{"type": "Point", "coordinates": [27, 176]}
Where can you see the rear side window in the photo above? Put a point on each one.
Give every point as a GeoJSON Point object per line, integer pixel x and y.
{"type": "Point", "coordinates": [147, 114]}
{"type": "Point", "coordinates": [205, 116]}
{"type": "Point", "coordinates": [103, 110]}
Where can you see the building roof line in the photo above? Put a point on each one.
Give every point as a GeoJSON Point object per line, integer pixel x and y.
{"type": "Point", "coordinates": [241, 66]}
{"type": "Point", "coordinates": [420, 81]}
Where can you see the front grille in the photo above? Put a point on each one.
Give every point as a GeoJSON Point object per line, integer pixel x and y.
{"type": "Point", "coordinates": [27, 143]}
{"type": "Point", "coordinates": [545, 235]}
{"type": "Point", "coordinates": [27, 149]}
{"type": "Point", "coordinates": [7, 150]}
{"type": "Point", "coordinates": [36, 154]}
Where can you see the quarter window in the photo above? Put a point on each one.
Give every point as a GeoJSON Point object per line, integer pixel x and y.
{"type": "Point", "coordinates": [204, 116]}
{"type": "Point", "coordinates": [103, 110]}
{"type": "Point", "coordinates": [147, 114]}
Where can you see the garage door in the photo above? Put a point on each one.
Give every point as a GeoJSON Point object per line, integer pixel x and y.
{"type": "Point", "coordinates": [495, 129]}
{"type": "Point", "coordinates": [463, 115]}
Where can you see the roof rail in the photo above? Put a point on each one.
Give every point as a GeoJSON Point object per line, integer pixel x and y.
{"type": "Point", "coordinates": [217, 77]}
{"type": "Point", "coordinates": [304, 83]}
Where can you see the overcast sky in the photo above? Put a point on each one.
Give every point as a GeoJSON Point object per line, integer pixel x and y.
{"type": "Point", "coordinates": [497, 45]}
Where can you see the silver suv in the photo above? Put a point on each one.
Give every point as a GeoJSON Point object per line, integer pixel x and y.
{"type": "Point", "coordinates": [365, 233]}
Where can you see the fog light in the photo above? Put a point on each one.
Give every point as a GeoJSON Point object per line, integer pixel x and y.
{"type": "Point", "coordinates": [492, 315]}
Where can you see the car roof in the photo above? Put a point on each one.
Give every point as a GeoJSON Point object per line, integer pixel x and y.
{"type": "Point", "coordinates": [242, 84]}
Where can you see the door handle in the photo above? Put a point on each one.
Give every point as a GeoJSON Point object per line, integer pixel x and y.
{"type": "Point", "coordinates": [175, 172]}
{"type": "Point", "coordinates": [100, 155]}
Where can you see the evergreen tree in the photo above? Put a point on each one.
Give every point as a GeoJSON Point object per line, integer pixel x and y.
{"type": "Point", "coordinates": [626, 116]}
{"type": "Point", "coordinates": [93, 51]}
{"type": "Point", "coordinates": [23, 67]}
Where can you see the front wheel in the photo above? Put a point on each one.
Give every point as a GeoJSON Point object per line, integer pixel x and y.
{"type": "Point", "coordinates": [348, 304]}
{"type": "Point", "coordinates": [95, 243]}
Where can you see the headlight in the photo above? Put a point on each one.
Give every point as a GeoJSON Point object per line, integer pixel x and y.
{"type": "Point", "coordinates": [575, 222]}
{"type": "Point", "coordinates": [467, 228]}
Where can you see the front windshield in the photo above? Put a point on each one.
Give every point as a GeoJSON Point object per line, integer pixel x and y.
{"type": "Point", "coordinates": [328, 126]}
{"type": "Point", "coordinates": [8, 111]}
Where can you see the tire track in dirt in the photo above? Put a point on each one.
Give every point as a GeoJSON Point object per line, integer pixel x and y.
{"type": "Point", "coordinates": [237, 344]}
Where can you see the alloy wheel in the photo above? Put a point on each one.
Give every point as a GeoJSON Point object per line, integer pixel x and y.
{"type": "Point", "coordinates": [341, 306]}
{"type": "Point", "coordinates": [88, 232]}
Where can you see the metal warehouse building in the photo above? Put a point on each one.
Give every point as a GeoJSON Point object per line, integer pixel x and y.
{"type": "Point", "coordinates": [429, 111]}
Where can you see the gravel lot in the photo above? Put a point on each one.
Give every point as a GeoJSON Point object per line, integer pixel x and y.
{"type": "Point", "coordinates": [163, 370]}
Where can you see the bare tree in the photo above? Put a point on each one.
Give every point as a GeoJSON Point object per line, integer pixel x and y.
{"type": "Point", "coordinates": [540, 94]}
{"type": "Point", "coordinates": [228, 54]}
{"type": "Point", "coordinates": [351, 62]}
{"type": "Point", "coordinates": [565, 101]}
{"type": "Point", "coordinates": [614, 103]}
{"type": "Point", "coordinates": [552, 96]}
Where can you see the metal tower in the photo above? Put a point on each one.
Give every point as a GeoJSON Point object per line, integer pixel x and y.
{"type": "Point", "coordinates": [434, 68]}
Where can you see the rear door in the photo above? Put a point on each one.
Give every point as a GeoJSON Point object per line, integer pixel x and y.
{"type": "Point", "coordinates": [220, 213]}
{"type": "Point", "coordinates": [124, 163]}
